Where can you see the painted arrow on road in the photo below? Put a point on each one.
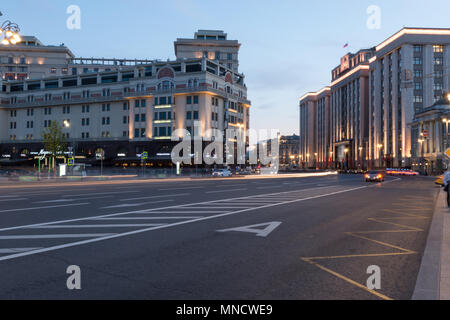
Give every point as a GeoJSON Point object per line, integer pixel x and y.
{"type": "Point", "coordinates": [256, 229]}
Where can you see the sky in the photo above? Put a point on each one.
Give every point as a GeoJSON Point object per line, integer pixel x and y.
{"type": "Point", "coordinates": [289, 47]}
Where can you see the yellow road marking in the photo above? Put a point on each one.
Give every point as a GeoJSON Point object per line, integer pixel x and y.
{"type": "Point", "coordinates": [340, 276]}
{"type": "Point", "coordinates": [405, 216]}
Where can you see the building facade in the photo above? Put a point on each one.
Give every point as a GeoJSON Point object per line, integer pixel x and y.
{"type": "Point", "coordinates": [122, 110]}
{"type": "Point", "coordinates": [429, 136]}
{"type": "Point", "coordinates": [211, 44]}
{"type": "Point", "coordinates": [374, 96]}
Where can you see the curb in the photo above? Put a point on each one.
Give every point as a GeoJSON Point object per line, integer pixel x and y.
{"type": "Point", "coordinates": [428, 284]}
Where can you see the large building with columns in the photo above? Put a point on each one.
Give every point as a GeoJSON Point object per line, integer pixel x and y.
{"type": "Point", "coordinates": [122, 110]}
{"type": "Point", "coordinates": [375, 96]}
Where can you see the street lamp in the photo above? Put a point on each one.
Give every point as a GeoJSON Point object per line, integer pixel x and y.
{"type": "Point", "coordinates": [379, 146]}
{"type": "Point", "coordinates": [9, 33]}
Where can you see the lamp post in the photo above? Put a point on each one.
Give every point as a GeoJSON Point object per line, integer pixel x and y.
{"type": "Point", "coordinates": [9, 33]}
{"type": "Point", "coordinates": [380, 146]}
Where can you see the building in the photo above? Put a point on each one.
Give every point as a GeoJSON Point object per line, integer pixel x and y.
{"type": "Point", "coordinates": [409, 73]}
{"type": "Point", "coordinates": [374, 95]}
{"type": "Point", "coordinates": [31, 59]}
{"type": "Point", "coordinates": [122, 110]}
{"type": "Point", "coordinates": [315, 148]}
{"type": "Point", "coordinates": [289, 150]}
{"type": "Point", "coordinates": [211, 44]}
{"type": "Point", "coordinates": [429, 136]}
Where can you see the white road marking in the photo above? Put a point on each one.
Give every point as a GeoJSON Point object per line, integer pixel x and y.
{"type": "Point", "coordinates": [56, 201]}
{"type": "Point", "coordinates": [98, 193]}
{"type": "Point", "coordinates": [184, 188]}
{"type": "Point", "coordinates": [230, 190]}
{"type": "Point", "coordinates": [48, 207]}
{"type": "Point", "coordinates": [270, 187]}
{"type": "Point", "coordinates": [157, 197]}
{"type": "Point", "coordinates": [10, 196]}
{"type": "Point", "coordinates": [178, 212]}
{"type": "Point", "coordinates": [15, 199]}
{"type": "Point", "coordinates": [55, 236]}
{"type": "Point", "coordinates": [15, 250]}
{"type": "Point", "coordinates": [125, 205]}
{"type": "Point", "coordinates": [269, 227]}
{"type": "Point", "coordinates": [147, 218]}
{"type": "Point", "coordinates": [166, 226]}
{"type": "Point", "coordinates": [81, 226]}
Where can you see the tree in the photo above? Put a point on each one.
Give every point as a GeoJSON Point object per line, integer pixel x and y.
{"type": "Point", "coordinates": [54, 140]}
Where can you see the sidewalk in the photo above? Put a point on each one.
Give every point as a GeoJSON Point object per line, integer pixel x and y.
{"type": "Point", "coordinates": [433, 281]}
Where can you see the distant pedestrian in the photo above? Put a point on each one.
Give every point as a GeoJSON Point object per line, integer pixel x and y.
{"type": "Point", "coordinates": [447, 185]}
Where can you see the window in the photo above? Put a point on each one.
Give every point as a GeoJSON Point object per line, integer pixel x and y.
{"type": "Point", "coordinates": [230, 56]}
{"type": "Point", "coordinates": [418, 73]}
{"type": "Point", "coordinates": [437, 86]}
{"type": "Point", "coordinates": [162, 132]}
{"type": "Point", "coordinates": [125, 120]}
{"type": "Point", "coordinates": [438, 60]}
{"type": "Point", "coordinates": [188, 100]}
{"type": "Point", "coordinates": [418, 48]}
{"type": "Point", "coordinates": [136, 118]}
{"type": "Point", "coordinates": [418, 86]}
{"type": "Point", "coordinates": [417, 61]}
{"type": "Point", "coordinates": [195, 99]}
{"type": "Point", "coordinates": [418, 99]}
{"type": "Point", "coordinates": [53, 70]}
{"type": "Point", "coordinates": [189, 115]}
{"type": "Point", "coordinates": [136, 133]}
{"type": "Point", "coordinates": [143, 118]}
{"type": "Point", "coordinates": [143, 103]}
{"type": "Point", "coordinates": [136, 104]}
{"type": "Point", "coordinates": [195, 115]}
{"type": "Point", "coordinates": [142, 133]}
{"type": "Point", "coordinates": [438, 49]}
{"type": "Point", "coordinates": [125, 106]}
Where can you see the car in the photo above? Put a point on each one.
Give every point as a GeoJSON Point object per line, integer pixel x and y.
{"type": "Point", "coordinates": [401, 172]}
{"type": "Point", "coordinates": [374, 176]}
{"type": "Point", "coordinates": [222, 173]}
{"type": "Point", "coordinates": [439, 181]}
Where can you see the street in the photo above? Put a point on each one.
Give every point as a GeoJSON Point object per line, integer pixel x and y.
{"type": "Point", "coordinates": [285, 238]}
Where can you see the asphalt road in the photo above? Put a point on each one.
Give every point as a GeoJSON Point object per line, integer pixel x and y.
{"type": "Point", "coordinates": [308, 238]}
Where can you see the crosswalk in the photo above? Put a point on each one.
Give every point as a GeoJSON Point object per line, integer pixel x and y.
{"type": "Point", "coordinates": [26, 240]}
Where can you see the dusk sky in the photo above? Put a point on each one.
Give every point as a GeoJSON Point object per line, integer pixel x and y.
{"type": "Point", "coordinates": [288, 47]}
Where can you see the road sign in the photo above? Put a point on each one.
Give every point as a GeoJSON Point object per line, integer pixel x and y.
{"type": "Point", "coordinates": [71, 162]}
{"type": "Point", "coordinates": [447, 153]}
{"type": "Point", "coordinates": [144, 155]}
{"type": "Point", "coordinates": [100, 155]}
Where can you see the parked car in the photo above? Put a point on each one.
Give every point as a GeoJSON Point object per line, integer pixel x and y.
{"type": "Point", "coordinates": [222, 173]}
{"type": "Point", "coordinates": [374, 176]}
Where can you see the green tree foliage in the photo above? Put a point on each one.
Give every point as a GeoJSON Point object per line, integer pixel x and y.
{"type": "Point", "coordinates": [54, 140]}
